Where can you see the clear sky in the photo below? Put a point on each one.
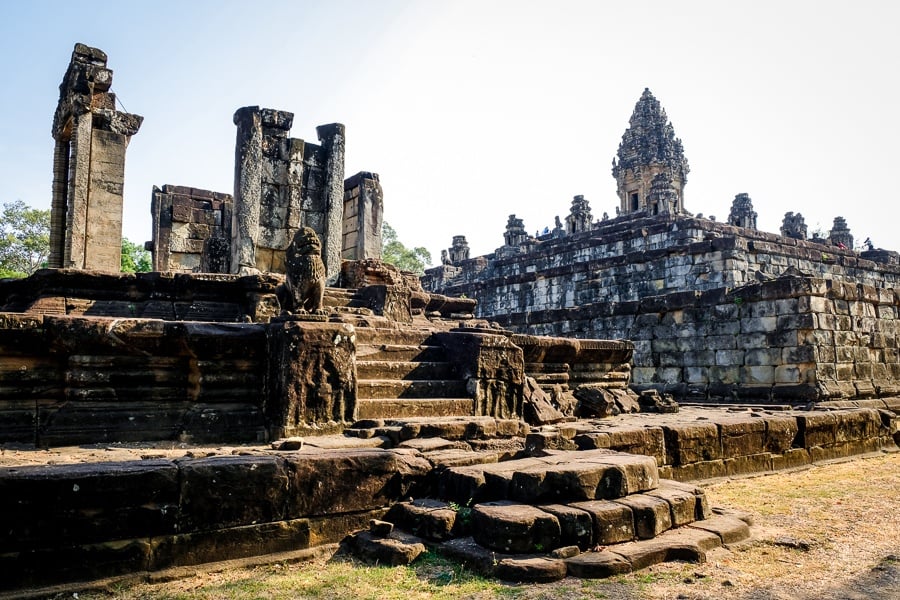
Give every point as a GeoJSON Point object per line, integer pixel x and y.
{"type": "Point", "coordinates": [474, 110]}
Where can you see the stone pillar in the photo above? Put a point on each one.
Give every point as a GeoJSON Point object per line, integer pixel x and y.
{"type": "Point", "coordinates": [363, 215]}
{"type": "Point", "coordinates": [331, 137]}
{"type": "Point", "coordinates": [311, 381]}
{"type": "Point", "coordinates": [247, 189]}
{"type": "Point", "coordinates": [88, 166]}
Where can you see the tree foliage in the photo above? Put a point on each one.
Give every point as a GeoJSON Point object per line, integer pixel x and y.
{"type": "Point", "coordinates": [24, 239]}
{"type": "Point", "coordinates": [134, 258]}
{"type": "Point", "coordinates": [394, 252]}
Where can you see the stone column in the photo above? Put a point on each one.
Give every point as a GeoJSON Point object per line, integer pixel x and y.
{"type": "Point", "coordinates": [58, 203]}
{"type": "Point", "coordinates": [363, 215]}
{"type": "Point", "coordinates": [247, 189]}
{"type": "Point", "coordinates": [332, 139]}
{"type": "Point", "coordinates": [88, 166]}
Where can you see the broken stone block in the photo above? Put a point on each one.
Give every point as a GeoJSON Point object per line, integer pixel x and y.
{"type": "Point", "coordinates": [399, 549]}
{"type": "Point", "coordinates": [430, 519]}
{"type": "Point", "coordinates": [537, 408]}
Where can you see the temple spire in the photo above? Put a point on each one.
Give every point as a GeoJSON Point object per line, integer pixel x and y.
{"type": "Point", "coordinates": [649, 148]}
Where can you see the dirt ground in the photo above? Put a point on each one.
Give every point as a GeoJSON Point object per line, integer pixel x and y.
{"type": "Point", "coordinates": [823, 532]}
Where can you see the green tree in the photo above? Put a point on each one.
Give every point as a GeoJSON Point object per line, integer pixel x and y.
{"type": "Point", "coordinates": [24, 239]}
{"type": "Point", "coordinates": [394, 252]}
{"type": "Point", "coordinates": [134, 258]}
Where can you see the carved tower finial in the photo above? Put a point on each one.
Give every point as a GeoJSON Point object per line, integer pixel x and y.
{"type": "Point", "coordinates": [742, 213]}
{"type": "Point", "coordinates": [649, 148]}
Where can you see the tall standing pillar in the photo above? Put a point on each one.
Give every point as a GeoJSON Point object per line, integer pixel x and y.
{"type": "Point", "coordinates": [88, 166]}
{"type": "Point", "coordinates": [247, 189]}
{"type": "Point", "coordinates": [331, 137]}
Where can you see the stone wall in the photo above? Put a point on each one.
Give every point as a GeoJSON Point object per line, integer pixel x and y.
{"type": "Point", "coordinates": [80, 380]}
{"type": "Point", "coordinates": [791, 339]}
{"type": "Point", "coordinates": [191, 230]}
{"type": "Point", "coordinates": [629, 258]}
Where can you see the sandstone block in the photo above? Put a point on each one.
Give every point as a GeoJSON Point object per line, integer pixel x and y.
{"type": "Point", "coordinates": [431, 519]}
{"type": "Point", "coordinates": [691, 442]}
{"type": "Point", "coordinates": [517, 528]}
{"type": "Point", "coordinates": [532, 569]}
{"type": "Point", "coordinates": [597, 565]}
{"type": "Point", "coordinates": [576, 525]}
{"type": "Point", "coordinates": [652, 515]}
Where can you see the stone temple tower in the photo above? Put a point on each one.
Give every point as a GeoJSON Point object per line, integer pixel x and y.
{"type": "Point", "coordinates": [649, 148]}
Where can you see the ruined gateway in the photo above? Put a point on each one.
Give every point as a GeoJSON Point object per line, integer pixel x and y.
{"type": "Point", "coordinates": [401, 389]}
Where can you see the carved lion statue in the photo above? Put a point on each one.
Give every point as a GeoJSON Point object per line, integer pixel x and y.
{"type": "Point", "coordinates": [305, 281]}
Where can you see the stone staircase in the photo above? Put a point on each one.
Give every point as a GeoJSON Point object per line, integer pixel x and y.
{"type": "Point", "coordinates": [401, 373]}
{"type": "Point", "coordinates": [588, 514]}
{"type": "Point", "coordinates": [343, 299]}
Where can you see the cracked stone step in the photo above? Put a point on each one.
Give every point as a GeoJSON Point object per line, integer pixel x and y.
{"type": "Point", "coordinates": [411, 388]}
{"type": "Point", "coordinates": [400, 352]}
{"type": "Point", "coordinates": [406, 336]}
{"type": "Point", "coordinates": [409, 370]}
{"type": "Point", "coordinates": [375, 408]}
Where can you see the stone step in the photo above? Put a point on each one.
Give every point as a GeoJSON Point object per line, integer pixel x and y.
{"type": "Point", "coordinates": [381, 408]}
{"type": "Point", "coordinates": [409, 370]}
{"type": "Point", "coordinates": [558, 477]}
{"type": "Point", "coordinates": [377, 389]}
{"type": "Point", "coordinates": [400, 353]}
{"type": "Point", "coordinates": [406, 336]}
{"type": "Point", "coordinates": [344, 302]}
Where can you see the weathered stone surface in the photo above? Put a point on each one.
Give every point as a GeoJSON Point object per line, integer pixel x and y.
{"type": "Point", "coordinates": [474, 556]}
{"type": "Point", "coordinates": [741, 437]}
{"type": "Point", "coordinates": [514, 528]}
{"type": "Point", "coordinates": [357, 480]}
{"type": "Point", "coordinates": [395, 550]}
{"type": "Point", "coordinates": [538, 569]}
{"type": "Point", "coordinates": [494, 368]}
{"type": "Point", "coordinates": [430, 519]}
{"type": "Point", "coordinates": [597, 565]}
{"type": "Point", "coordinates": [215, 491]}
{"type": "Point", "coordinates": [585, 475]}
{"type": "Point", "coordinates": [645, 553]}
{"type": "Point", "coordinates": [729, 529]}
{"type": "Point", "coordinates": [682, 502]}
{"type": "Point", "coordinates": [87, 503]}
{"type": "Point", "coordinates": [537, 408]}
{"type": "Point", "coordinates": [691, 442]}
{"type": "Point", "coordinates": [613, 522]}
{"type": "Point", "coordinates": [652, 515]}
{"type": "Point", "coordinates": [311, 375]}
{"type": "Point", "coordinates": [576, 525]}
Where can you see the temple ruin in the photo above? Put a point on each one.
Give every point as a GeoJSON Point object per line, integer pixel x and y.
{"type": "Point", "coordinates": [716, 311]}
{"type": "Point", "coordinates": [91, 137]}
{"type": "Point", "coordinates": [566, 389]}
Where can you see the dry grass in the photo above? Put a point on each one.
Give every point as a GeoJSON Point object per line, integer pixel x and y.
{"type": "Point", "coordinates": [842, 520]}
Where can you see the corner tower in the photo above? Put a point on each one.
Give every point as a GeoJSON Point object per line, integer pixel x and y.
{"type": "Point", "coordinates": [649, 148]}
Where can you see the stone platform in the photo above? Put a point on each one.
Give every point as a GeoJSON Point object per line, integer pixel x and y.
{"type": "Point", "coordinates": [88, 512]}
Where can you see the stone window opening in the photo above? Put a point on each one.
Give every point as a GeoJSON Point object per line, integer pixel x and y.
{"type": "Point", "coordinates": [634, 202]}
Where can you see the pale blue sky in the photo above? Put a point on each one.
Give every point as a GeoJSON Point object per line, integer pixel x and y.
{"type": "Point", "coordinates": [473, 110]}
